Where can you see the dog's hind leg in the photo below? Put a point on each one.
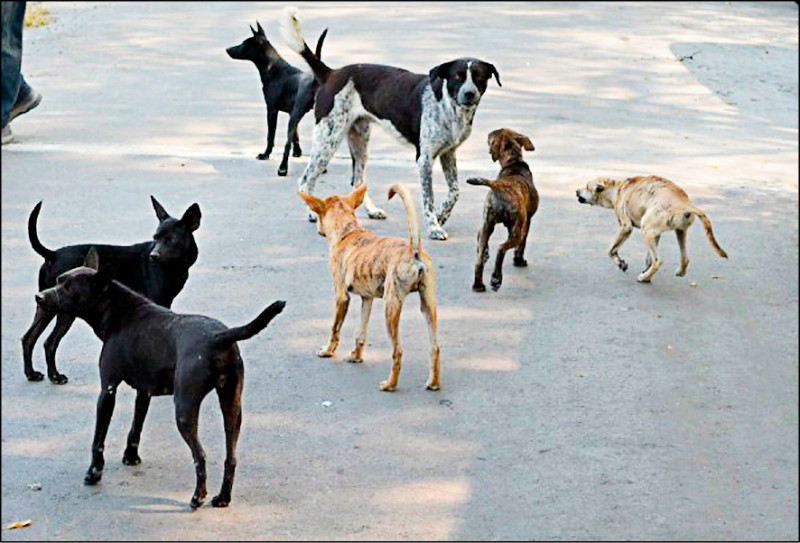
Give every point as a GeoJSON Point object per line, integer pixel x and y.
{"type": "Point", "coordinates": [40, 322]}
{"type": "Point", "coordinates": [648, 259]}
{"type": "Point", "coordinates": [230, 403]}
{"type": "Point", "coordinates": [394, 306]}
{"type": "Point", "coordinates": [63, 324]}
{"type": "Point", "coordinates": [292, 139]}
{"type": "Point", "coordinates": [427, 300]}
{"type": "Point", "coordinates": [519, 252]}
{"type": "Point", "coordinates": [651, 240]}
{"type": "Point", "coordinates": [131, 455]}
{"type": "Point", "coordinates": [342, 303]}
{"type": "Point", "coordinates": [361, 334]}
{"type": "Point", "coordinates": [483, 250]}
{"type": "Point", "coordinates": [448, 161]}
{"type": "Point", "coordinates": [681, 235]}
{"type": "Point", "coordinates": [514, 239]}
{"type": "Point", "coordinates": [187, 408]}
{"type": "Point", "coordinates": [358, 141]}
{"type": "Point", "coordinates": [105, 409]}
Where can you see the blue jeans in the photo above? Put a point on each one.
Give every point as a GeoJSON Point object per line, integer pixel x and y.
{"type": "Point", "coordinates": [13, 84]}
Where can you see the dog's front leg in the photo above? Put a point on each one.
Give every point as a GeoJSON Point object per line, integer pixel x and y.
{"type": "Point", "coordinates": [328, 134]}
{"type": "Point", "coordinates": [291, 139]}
{"type": "Point", "coordinates": [361, 334]}
{"type": "Point", "coordinates": [425, 167]}
{"type": "Point", "coordinates": [105, 408]}
{"type": "Point", "coordinates": [342, 303]}
{"type": "Point", "coordinates": [131, 455]}
{"type": "Point", "coordinates": [624, 231]}
{"type": "Point", "coordinates": [358, 141]}
{"type": "Point", "coordinates": [272, 123]}
{"type": "Point", "coordinates": [448, 162]}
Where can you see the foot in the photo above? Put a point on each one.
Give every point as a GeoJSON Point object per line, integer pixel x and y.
{"type": "Point", "coordinates": [24, 104]}
{"type": "Point", "coordinates": [642, 278]}
{"type": "Point", "coordinates": [353, 359]}
{"type": "Point", "coordinates": [497, 280]}
{"type": "Point", "coordinates": [520, 262]}
{"type": "Point", "coordinates": [34, 376]}
{"type": "Point", "coordinates": [296, 151]}
{"type": "Point", "coordinates": [8, 137]}
{"type": "Point", "coordinates": [220, 501]}
{"type": "Point", "coordinates": [622, 265]}
{"type": "Point", "coordinates": [437, 232]}
{"type": "Point", "coordinates": [93, 476]}
{"type": "Point", "coordinates": [57, 378]}
{"type": "Point", "coordinates": [387, 387]}
{"type": "Point", "coordinates": [479, 287]}
{"type": "Point", "coordinates": [326, 352]}
{"type": "Point", "coordinates": [283, 170]}
{"type": "Point", "coordinates": [376, 213]}
{"type": "Point", "coordinates": [262, 156]}
{"type": "Point", "coordinates": [197, 499]}
{"type": "Point", "coordinates": [432, 386]}
{"type": "Point", "coordinates": [131, 457]}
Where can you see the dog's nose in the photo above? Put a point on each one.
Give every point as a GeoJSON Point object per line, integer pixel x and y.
{"type": "Point", "coordinates": [39, 298]}
{"type": "Point", "coordinates": [469, 96]}
{"type": "Point", "coordinates": [155, 257]}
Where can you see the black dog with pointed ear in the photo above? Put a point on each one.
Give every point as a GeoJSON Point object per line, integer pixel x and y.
{"type": "Point", "coordinates": [285, 87]}
{"type": "Point", "coordinates": [158, 269]}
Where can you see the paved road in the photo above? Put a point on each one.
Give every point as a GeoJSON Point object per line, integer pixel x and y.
{"type": "Point", "coordinates": [577, 404]}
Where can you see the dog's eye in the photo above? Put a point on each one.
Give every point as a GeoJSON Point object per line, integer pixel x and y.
{"type": "Point", "coordinates": [599, 189]}
{"type": "Point", "coordinates": [458, 76]}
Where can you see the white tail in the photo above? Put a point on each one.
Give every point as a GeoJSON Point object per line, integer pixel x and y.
{"type": "Point", "coordinates": [290, 29]}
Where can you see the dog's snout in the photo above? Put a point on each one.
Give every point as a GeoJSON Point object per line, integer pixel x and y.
{"type": "Point", "coordinates": [155, 257]}
{"type": "Point", "coordinates": [39, 298]}
{"type": "Point", "coordinates": [470, 95]}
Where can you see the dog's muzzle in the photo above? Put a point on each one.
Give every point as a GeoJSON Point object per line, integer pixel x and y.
{"type": "Point", "coordinates": [581, 199]}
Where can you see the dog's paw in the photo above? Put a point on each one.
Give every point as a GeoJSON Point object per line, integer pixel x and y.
{"type": "Point", "coordinates": [497, 281]}
{"type": "Point", "coordinates": [325, 352]}
{"type": "Point", "coordinates": [642, 278]}
{"type": "Point", "coordinates": [93, 476]}
{"type": "Point", "coordinates": [437, 233]}
{"type": "Point", "coordinates": [353, 360]}
{"type": "Point", "coordinates": [58, 378]}
{"type": "Point", "coordinates": [262, 156]}
{"type": "Point", "coordinates": [622, 265]}
{"type": "Point", "coordinates": [220, 501]}
{"type": "Point", "coordinates": [479, 287]}
{"type": "Point", "coordinates": [387, 387]}
{"type": "Point", "coordinates": [197, 500]}
{"type": "Point", "coordinates": [297, 152]}
{"type": "Point", "coordinates": [432, 386]}
{"type": "Point", "coordinates": [520, 262]}
{"type": "Point", "coordinates": [131, 457]}
{"type": "Point", "coordinates": [34, 376]}
{"type": "Point", "coordinates": [681, 271]}
{"type": "Point", "coordinates": [283, 171]}
{"type": "Point", "coordinates": [376, 213]}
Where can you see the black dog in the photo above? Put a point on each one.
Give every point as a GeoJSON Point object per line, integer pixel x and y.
{"type": "Point", "coordinates": [157, 269]}
{"type": "Point", "coordinates": [158, 352]}
{"type": "Point", "coordinates": [286, 89]}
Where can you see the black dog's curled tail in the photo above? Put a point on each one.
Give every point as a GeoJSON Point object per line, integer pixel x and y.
{"type": "Point", "coordinates": [34, 237]}
{"type": "Point", "coordinates": [320, 41]}
{"type": "Point", "coordinates": [225, 338]}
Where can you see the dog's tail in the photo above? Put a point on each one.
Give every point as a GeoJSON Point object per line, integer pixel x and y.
{"type": "Point", "coordinates": [34, 237]}
{"type": "Point", "coordinates": [320, 40]}
{"type": "Point", "coordinates": [480, 181]}
{"type": "Point", "coordinates": [709, 233]}
{"type": "Point", "coordinates": [290, 31]}
{"type": "Point", "coordinates": [225, 338]}
{"type": "Point", "coordinates": [411, 212]}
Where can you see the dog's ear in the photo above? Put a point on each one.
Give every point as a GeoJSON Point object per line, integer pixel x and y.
{"type": "Point", "coordinates": [161, 213]}
{"type": "Point", "coordinates": [192, 217]}
{"type": "Point", "coordinates": [495, 140]}
{"type": "Point", "coordinates": [356, 198]}
{"type": "Point", "coordinates": [524, 141]}
{"type": "Point", "coordinates": [92, 260]}
{"type": "Point", "coordinates": [253, 31]}
{"type": "Point", "coordinates": [260, 30]}
{"type": "Point", "coordinates": [314, 204]}
{"type": "Point", "coordinates": [440, 71]}
{"type": "Point", "coordinates": [496, 75]}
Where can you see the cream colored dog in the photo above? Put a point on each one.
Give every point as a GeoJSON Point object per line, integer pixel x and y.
{"type": "Point", "coordinates": [372, 266]}
{"type": "Point", "coordinates": [653, 204]}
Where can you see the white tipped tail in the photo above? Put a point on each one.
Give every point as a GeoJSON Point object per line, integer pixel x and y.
{"type": "Point", "coordinates": [290, 29]}
{"type": "Point", "coordinates": [411, 212]}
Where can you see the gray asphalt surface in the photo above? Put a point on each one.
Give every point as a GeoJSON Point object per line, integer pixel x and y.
{"type": "Point", "coordinates": [576, 403]}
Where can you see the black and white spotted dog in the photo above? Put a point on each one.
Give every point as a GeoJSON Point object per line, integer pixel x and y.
{"type": "Point", "coordinates": [432, 112]}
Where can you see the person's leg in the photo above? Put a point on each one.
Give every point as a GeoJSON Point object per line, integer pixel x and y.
{"type": "Point", "coordinates": [13, 14]}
